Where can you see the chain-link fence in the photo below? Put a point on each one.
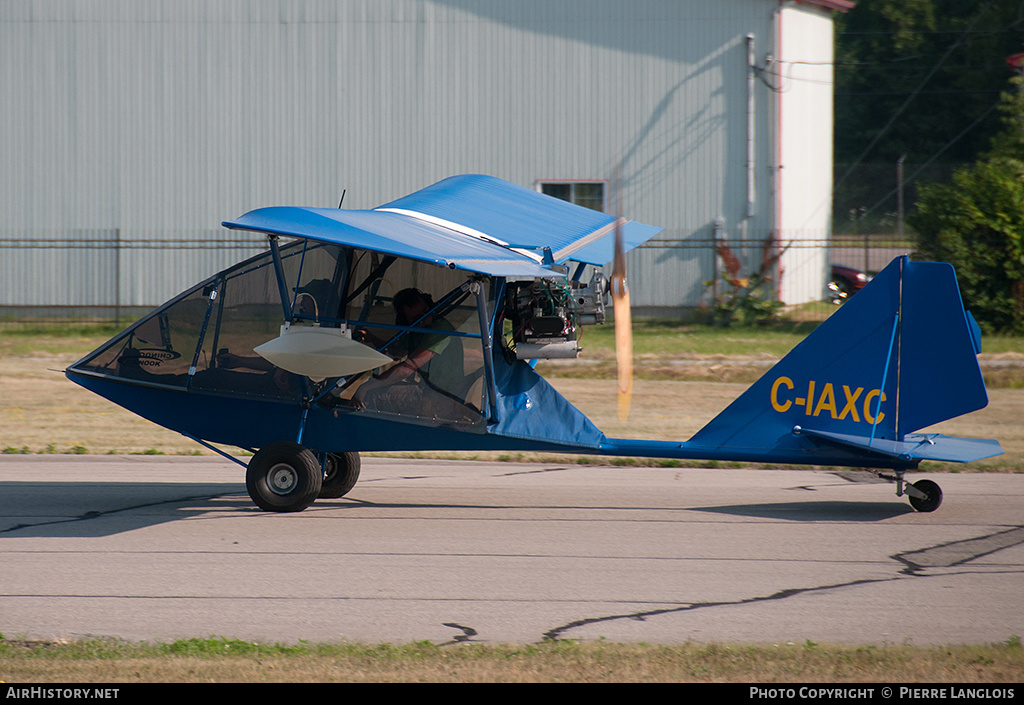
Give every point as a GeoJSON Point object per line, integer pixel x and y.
{"type": "Point", "coordinates": [101, 276]}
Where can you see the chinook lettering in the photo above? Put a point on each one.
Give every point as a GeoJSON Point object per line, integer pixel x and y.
{"type": "Point", "coordinates": [821, 399]}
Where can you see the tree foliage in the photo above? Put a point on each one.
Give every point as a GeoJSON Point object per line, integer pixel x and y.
{"type": "Point", "coordinates": [977, 224]}
{"type": "Point", "coordinates": [922, 75]}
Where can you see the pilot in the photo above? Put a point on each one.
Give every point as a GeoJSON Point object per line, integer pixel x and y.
{"type": "Point", "coordinates": [429, 380]}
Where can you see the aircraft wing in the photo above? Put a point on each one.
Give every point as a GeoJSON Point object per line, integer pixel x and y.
{"type": "Point", "coordinates": [524, 218]}
{"type": "Point", "coordinates": [471, 222]}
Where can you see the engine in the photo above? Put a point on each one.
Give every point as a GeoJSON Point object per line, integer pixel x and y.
{"type": "Point", "coordinates": [546, 315]}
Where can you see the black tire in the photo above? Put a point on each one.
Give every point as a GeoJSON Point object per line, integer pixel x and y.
{"type": "Point", "coordinates": [340, 476]}
{"type": "Point", "coordinates": [283, 477]}
{"type": "Point", "coordinates": [929, 503]}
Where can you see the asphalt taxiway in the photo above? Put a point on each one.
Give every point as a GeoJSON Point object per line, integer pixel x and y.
{"type": "Point", "coordinates": [160, 548]}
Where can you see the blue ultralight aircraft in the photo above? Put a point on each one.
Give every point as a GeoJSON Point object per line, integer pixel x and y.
{"type": "Point", "coordinates": [413, 326]}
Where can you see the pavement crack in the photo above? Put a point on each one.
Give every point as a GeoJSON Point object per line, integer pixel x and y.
{"type": "Point", "coordinates": [558, 632]}
{"type": "Point", "coordinates": [943, 555]}
{"type": "Point", "coordinates": [467, 634]}
{"type": "Point", "coordinates": [954, 553]}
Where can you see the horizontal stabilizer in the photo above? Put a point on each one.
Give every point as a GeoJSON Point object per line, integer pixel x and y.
{"type": "Point", "coordinates": [918, 446]}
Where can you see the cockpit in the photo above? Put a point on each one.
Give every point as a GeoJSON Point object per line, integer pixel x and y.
{"type": "Point", "coordinates": [423, 320]}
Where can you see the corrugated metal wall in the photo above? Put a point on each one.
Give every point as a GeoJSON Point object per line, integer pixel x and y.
{"type": "Point", "coordinates": [156, 119]}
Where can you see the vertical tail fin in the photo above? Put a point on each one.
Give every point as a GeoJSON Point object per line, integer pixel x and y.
{"type": "Point", "coordinates": [897, 357]}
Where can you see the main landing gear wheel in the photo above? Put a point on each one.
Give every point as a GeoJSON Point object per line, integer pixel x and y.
{"type": "Point", "coordinates": [283, 477]}
{"type": "Point", "coordinates": [341, 470]}
{"type": "Point", "coordinates": [931, 501]}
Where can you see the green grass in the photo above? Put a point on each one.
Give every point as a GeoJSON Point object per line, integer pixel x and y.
{"type": "Point", "coordinates": [654, 337]}
{"type": "Point", "coordinates": [60, 328]}
{"type": "Point", "coordinates": [650, 337]}
{"type": "Point", "coordinates": [219, 659]}
{"type": "Point", "coordinates": [996, 344]}
{"type": "Point", "coordinates": [680, 339]}
{"type": "Point", "coordinates": [60, 338]}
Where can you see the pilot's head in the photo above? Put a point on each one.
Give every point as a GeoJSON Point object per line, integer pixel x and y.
{"type": "Point", "coordinates": [410, 304]}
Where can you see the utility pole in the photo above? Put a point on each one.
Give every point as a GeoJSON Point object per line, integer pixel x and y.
{"type": "Point", "coordinates": [899, 196]}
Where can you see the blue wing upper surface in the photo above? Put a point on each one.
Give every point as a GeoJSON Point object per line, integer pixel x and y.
{"type": "Point", "coordinates": [472, 222]}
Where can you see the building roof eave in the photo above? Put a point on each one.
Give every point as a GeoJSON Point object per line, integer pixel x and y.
{"type": "Point", "coordinates": [838, 5]}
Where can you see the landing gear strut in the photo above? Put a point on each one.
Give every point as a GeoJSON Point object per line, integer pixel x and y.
{"type": "Point", "coordinates": [924, 495]}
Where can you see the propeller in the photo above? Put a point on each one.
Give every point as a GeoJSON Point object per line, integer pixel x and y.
{"type": "Point", "coordinates": [623, 316]}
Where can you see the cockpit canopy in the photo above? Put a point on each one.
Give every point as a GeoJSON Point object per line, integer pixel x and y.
{"type": "Point", "coordinates": [204, 340]}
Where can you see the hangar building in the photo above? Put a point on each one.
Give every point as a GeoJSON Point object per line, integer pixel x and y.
{"type": "Point", "coordinates": [132, 128]}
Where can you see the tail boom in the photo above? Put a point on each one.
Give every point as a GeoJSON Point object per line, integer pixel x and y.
{"type": "Point", "coordinates": [807, 447]}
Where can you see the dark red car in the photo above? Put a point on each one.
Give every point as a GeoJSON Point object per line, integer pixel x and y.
{"type": "Point", "coordinates": [844, 282]}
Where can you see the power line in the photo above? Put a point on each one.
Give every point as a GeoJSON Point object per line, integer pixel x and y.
{"type": "Point", "coordinates": [957, 92]}
{"type": "Point", "coordinates": [888, 32]}
{"type": "Point", "coordinates": [931, 159]}
{"type": "Point", "coordinates": [906, 103]}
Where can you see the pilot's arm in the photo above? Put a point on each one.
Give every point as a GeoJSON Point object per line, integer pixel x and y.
{"type": "Point", "coordinates": [398, 373]}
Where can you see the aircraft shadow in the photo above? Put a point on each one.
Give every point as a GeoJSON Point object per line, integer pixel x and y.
{"type": "Point", "coordinates": [97, 509]}
{"type": "Point", "coordinates": [787, 511]}
{"type": "Point", "coordinates": [815, 511]}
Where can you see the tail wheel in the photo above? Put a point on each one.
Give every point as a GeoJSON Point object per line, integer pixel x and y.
{"type": "Point", "coordinates": [283, 477]}
{"type": "Point", "coordinates": [341, 471]}
{"type": "Point", "coordinates": [931, 501]}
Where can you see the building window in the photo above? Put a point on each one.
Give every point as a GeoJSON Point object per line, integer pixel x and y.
{"type": "Point", "coordinates": [589, 194]}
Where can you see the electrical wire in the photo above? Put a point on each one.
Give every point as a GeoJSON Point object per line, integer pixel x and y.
{"type": "Point", "coordinates": [892, 120]}
{"type": "Point", "coordinates": [931, 159]}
